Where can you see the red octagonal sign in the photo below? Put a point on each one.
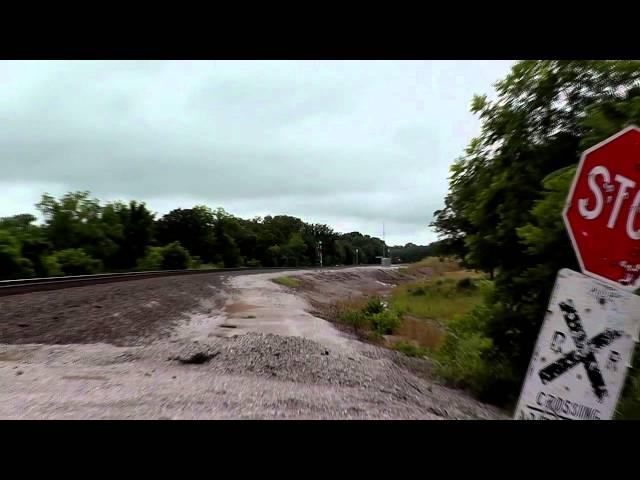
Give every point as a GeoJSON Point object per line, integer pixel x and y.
{"type": "Point", "coordinates": [602, 212]}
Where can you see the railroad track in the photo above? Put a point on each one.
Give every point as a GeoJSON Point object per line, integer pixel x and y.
{"type": "Point", "coordinates": [30, 285]}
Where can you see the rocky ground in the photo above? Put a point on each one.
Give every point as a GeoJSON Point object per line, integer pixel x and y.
{"type": "Point", "coordinates": [209, 346]}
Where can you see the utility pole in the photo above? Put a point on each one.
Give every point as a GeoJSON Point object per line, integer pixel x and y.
{"type": "Point", "coordinates": [320, 251]}
{"type": "Point", "coordinates": [384, 244]}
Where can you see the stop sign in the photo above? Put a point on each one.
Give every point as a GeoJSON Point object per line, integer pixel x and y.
{"type": "Point", "coordinates": [602, 210]}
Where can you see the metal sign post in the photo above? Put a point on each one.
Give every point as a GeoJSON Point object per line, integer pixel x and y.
{"type": "Point", "coordinates": [583, 351]}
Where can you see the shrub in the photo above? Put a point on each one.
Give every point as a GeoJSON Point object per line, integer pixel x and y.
{"type": "Point", "coordinates": [51, 266]}
{"type": "Point", "coordinates": [629, 405]}
{"type": "Point", "coordinates": [465, 284]}
{"type": "Point", "coordinates": [26, 268]}
{"type": "Point", "coordinates": [12, 263]}
{"type": "Point", "coordinates": [385, 322]}
{"type": "Point", "coordinates": [75, 261]}
{"type": "Point", "coordinates": [152, 259]}
{"type": "Point", "coordinates": [175, 257]}
{"type": "Point", "coordinates": [468, 358]}
{"type": "Point", "coordinates": [253, 263]}
{"type": "Point", "coordinates": [354, 318]}
{"type": "Point", "coordinates": [373, 306]}
{"type": "Point", "coordinates": [196, 262]}
{"type": "Point", "coordinates": [410, 349]}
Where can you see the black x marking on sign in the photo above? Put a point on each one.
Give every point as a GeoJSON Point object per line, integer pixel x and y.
{"type": "Point", "coordinates": [584, 352]}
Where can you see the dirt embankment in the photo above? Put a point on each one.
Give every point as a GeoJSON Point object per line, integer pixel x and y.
{"type": "Point", "coordinates": [121, 314]}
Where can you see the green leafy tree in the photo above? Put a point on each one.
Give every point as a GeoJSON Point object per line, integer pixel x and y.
{"type": "Point", "coordinates": [12, 263]}
{"type": "Point", "coordinates": [130, 229]}
{"type": "Point", "coordinates": [75, 261]}
{"type": "Point", "coordinates": [152, 259]}
{"type": "Point", "coordinates": [175, 257]}
{"type": "Point", "coordinates": [73, 221]}
{"type": "Point", "coordinates": [32, 238]}
{"type": "Point", "coordinates": [294, 250]}
{"type": "Point", "coordinates": [506, 193]}
{"type": "Point", "coordinates": [193, 227]}
{"type": "Point", "coordinates": [227, 228]}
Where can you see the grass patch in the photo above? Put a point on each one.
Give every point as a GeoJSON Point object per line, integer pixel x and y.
{"type": "Point", "coordinates": [371, 320]}
{"type": "Point", "coordinates": [288, 282]}
{"type": "Point", "coordinates": [410, 349]}
{"type": "Point", "coordinates": [424, 333]}
{"type": "Point", "coordinates": [208, 266]}
{"type": "Point", "coordinates": [435, 266]}
{"type": "Point", "coordinates": [462, 274]}
{"type": "Point", "coordinates": [439, 299]}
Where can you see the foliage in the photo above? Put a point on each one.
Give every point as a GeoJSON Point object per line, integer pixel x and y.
{"type": "Point", "coordinates": [410, 349]}
{"type": "Point", "coordinates": [152, 259]}
{"type": "Point", "coordinates": [372, 317]}
{"type": "Point", "coordinates": [123, 236]}
{"type": "Point", "coordinates": [75, 261]}
{"type": "Point", "coordinates": [373, 306]}
{"type": "Point", "coordinates": [386, 322]}
{"type": "Point", "coordinates": [288, 282]}
{"type": "Point", "coordinates": [51, 266]}
{"type": "Point", "coordinates": [628, 407]}
{"type": "Point", "coordinates": [356, 319]}
{"type": "Point", "coordinates": [195, 262]}
{"type": "Point", "coordinates": [465, 283]}
{"type": "Point", "coordinates": [411, 252]}
{"type": "Point", "coordinates": [440, 299]}
{"type": "Point", "coordinates": [175, 257]}
{"type": "Point", "coordinates": [12, 263]}
{"type": "Point", "coordinates": [503, 209]}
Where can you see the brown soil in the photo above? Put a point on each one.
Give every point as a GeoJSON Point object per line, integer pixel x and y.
{"type": "Point", "coordinates": [421, 332]}
{"type": "Point", "coordinates": [238, 307]}
{"type": "Point", "coordinates": [123, 314]}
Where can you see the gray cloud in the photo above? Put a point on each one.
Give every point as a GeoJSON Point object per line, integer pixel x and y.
{"type": "Point", "coordinates": [346, 143]}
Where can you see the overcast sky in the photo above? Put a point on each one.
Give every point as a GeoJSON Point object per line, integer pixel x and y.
{"type": "Point", "coordinates": [346, 143]}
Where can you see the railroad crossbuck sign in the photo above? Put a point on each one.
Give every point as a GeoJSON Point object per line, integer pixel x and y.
{"type": "Point", "coordinates": [602, 213]}
{"type": "Point", "coordinates": [583, 351]}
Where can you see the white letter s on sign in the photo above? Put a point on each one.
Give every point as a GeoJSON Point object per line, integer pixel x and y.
{"type": "Point", "coordinates": [582, 203]}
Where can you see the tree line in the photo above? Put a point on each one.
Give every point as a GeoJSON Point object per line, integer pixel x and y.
{"type": "Point", "coordinates": [506, 193]}
{"type": "Point", "coordinates": [79, 235]}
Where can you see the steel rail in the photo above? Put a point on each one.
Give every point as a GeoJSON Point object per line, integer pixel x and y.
{"type": "Point", "coordinates": [31, 285]}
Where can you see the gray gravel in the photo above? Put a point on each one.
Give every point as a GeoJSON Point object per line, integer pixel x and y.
{"type": "Point", "coordinates": [382, 377]}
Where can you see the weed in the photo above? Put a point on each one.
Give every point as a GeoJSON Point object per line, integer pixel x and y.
{"type": "Point", "coordinates": [288, 282]}
{"type": "Point", "coordinates": [410, 349]}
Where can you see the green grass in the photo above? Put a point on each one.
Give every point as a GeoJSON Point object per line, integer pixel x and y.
{"type": "Point", "coordinates": [209, 265]}
{"type": "Point", "coordinates": [410, 349]}
{"type": "Point", "coordinates": [288, 282]}
{"type": "Point", "coordinates": [440, 299]}
{"type": "Point", "coordinates": [437, 266]}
